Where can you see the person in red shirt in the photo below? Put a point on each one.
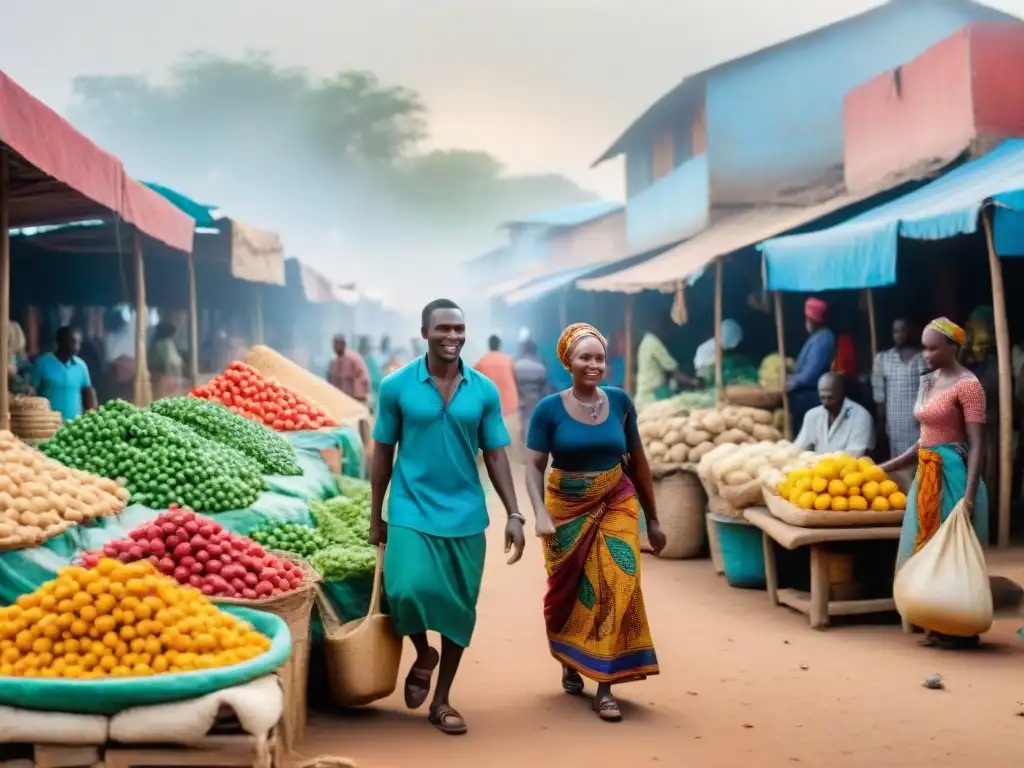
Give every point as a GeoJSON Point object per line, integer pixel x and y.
{"type": "Point", "coordinates": [499, 367]}
{"type": "Point", "coordinates": [348, 371]}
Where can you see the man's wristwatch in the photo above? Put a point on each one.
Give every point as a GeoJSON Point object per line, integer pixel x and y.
{"type": "Point", "coordinates": [517, 516]}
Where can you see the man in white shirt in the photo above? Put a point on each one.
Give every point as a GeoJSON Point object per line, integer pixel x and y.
{"type": "Point", "coordinates": [838, 424]}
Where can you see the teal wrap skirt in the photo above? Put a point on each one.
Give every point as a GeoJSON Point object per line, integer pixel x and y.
{"type": "Point", "coordinates": [433, 582]}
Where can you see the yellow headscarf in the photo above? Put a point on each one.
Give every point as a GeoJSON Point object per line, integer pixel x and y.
{"type": "Point", "coordinates": [571, 335]}
{"type": "Point", "coordinates": [949, 329]}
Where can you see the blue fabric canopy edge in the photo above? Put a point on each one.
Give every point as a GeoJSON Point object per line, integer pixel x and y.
{"type": "Point", "coordinates": [861, 253]}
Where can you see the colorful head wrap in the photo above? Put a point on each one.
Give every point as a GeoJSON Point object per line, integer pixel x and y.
{"type": "Point", "coordinates": [571, 335]}
{"type": "Point", "coordinates": [815, 310]}
{"type": "Point", "coordinates": [947, 328]}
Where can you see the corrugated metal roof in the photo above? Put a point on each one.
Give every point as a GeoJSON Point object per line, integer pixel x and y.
{"type": "Point", "coordinates": [569, 215]}
{"type": "Point", "coordinates": [537, 289]}
{"type": "Point", "coordinates": [861, 253]}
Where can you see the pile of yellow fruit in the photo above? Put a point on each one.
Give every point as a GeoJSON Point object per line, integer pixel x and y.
{"type": "Point", "coordinates": [842, 483]}
{"type": "Point", "coordinates": [119, 620]}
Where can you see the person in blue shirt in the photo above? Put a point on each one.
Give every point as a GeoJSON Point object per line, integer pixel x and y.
{"type": "Point", "coordinates": [437, 413]}
{"type": "Point", "coordinates": [63, 378]}
{"type": "Point", "coordinates": [814, 361]}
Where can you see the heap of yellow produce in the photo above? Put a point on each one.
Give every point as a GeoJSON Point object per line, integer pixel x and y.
{"type": "Point", "coordinates": [119, 620]}
{"type": "Point", "coordinates": [41, 498]}
{"type": "Point", "coordinates": [841, 483]}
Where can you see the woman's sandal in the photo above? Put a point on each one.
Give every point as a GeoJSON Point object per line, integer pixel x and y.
{"type": "Point", "coordinates": [572, 682]}
{"type": "Point", "coordinates": [417, 682]}
{"type": "Point", "coordinates": [607, 708]}
{"type": "Point", "coordinates": [447, 720]}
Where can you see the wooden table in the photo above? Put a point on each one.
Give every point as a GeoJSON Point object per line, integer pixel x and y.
{"type": "Point", "coordinates": [817, 604]}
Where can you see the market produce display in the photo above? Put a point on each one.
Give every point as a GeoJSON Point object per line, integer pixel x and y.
{"type": "Point", "coordinates": [841, 483]}
{"type": "Point", "coordinates": [771, 374]}
{"type": "Point", "coordinates": [303, 540]}
{"type": "Point", "coordinates": [41, 498]}
{"type": "Point", "coordinates": [345, 521]}
{"type": "Point", "coordinates": [212, 420]}
{"type": "Point", "coordinates": [119, 620]}
{"type": "Point", "coordinates": [336, 404]}
{"type": "Point", "coordinates": [162, 462]}
{"type": "Point", "coordinates": [738, 473]}
{"type": "Point", "coordinates": [675, 435]}
{"type": "Point", "coordinates": [199, 552]}
{"type": "Point", "coordinates": [249, 393]}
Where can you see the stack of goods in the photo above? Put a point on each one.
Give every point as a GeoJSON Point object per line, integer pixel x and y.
{"type": "Point", "coordinates": [32, 418]}
{"type": "Point", "coordinates": [198, 552]}
{"type": "Point", "coordinates": [771, 374]}
{"type": "Point", "coordinates": [841, 483]}
{"type": "Point", "coordinates": [163, 462]}
{"type": "Point", "coordinates": [119, 620]}
{"type": "Point", "coordinates": [303, 540]}
{"type": "Point", "coordinates": [249, 393]}
{"type": "Point", "coordinates": [345, 521]}
{"type": "Point", "coordinates": [274, 454]}
{"type": "Point", "coordinates": [40, 498]}
{"type": "Point", "coordinates": [676, 436]}
{"type": "Point", "coordinates": [737, 474]}
{"type": "Point", "coordinates": [339, 407]}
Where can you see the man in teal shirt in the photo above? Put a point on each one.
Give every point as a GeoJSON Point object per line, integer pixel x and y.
{"type": "Point", "coordinates": [438, 414]}
{"type": "Point", "coordinates": [63, 378]}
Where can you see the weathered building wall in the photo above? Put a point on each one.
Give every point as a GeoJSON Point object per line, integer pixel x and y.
{"type": "Point", "coordinates": [594, 242]}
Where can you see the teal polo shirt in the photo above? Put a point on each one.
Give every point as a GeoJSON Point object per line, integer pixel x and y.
{"type": "Point", "coordinates": [435, 486]}
{"type": "Point", "coordinates": [61, 383]}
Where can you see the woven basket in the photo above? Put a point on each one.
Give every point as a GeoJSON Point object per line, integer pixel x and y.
{"type": "Point", "coordinates": [296, 608]}
{"type": "Point", "coordinates": [362, 655]}
{"type": "Point", "coordinates": [753, 396]}
{"type": "Point", "coordinates": [680, 501]}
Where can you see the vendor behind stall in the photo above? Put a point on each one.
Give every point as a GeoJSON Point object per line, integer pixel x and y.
{"type": "Point", "coordinates": [655, 367]}
{"type": "Point", "coordinates": [896, 380]}
{"type": "Point", "coordinates": [736, 368]}
{"type": "Point", "coordinates": [62, 378]}
{"type": "Point", "coordinates": [814, 361]}
{"type": "Point", "coordinates": [838, 424]}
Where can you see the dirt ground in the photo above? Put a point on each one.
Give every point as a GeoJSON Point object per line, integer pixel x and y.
{"type": "Point", "coordinates": [742, 683]}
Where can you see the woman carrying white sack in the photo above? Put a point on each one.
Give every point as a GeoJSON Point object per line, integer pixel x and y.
{"type": "Point", "coordinates": [950, 454]}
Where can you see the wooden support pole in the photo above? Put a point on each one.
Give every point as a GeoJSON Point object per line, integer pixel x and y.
{"type": "Point", "coordinates": [1005, 384]}
{"type": "Point", "coordinates": [5, 281]}
{"type": "Point", "coordinates": [719, 385]}
{"type": "Point", "coordinates": [872, 323]}
{"type": "Point", "coordinates": [628, 333]}
{"type": "Point", "coordinates": [780, 333]}
{"type": "Point", "coordinates": [193, 323]}
{"type": "Point", "coordinates": [142, 393]}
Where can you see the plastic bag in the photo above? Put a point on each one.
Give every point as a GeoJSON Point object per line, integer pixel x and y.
{"type": "Point", "coordinates": [944, 587]}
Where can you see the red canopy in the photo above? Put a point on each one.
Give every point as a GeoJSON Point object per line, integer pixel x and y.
{"type": "Point", "coordinates": [58, 175]}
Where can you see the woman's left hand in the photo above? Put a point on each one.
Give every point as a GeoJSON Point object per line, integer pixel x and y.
{"type": "Point", "coordinates": [655, 537]}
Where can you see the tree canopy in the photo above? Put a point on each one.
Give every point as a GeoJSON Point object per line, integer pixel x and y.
{"type": "Point", "coordinates": [308, 156]}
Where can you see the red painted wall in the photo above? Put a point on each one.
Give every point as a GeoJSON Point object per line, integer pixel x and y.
{"type": "Point", "coordinates": [997, 53]}
{"type": "Point", "coordinates": [904, 116]}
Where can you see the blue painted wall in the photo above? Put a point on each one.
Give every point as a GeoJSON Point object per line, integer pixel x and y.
{"type": "Point", "coordinates": [672, 208]}
{"type": "Point", "coordinates": [775, 119]}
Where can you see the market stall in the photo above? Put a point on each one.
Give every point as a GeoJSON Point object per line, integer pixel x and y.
{"type": "Point", "coordinates": [49, 174]}
{"type": "Point", "coordinates": [984, 195]}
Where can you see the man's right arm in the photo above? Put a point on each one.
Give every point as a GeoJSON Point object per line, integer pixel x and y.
{"type": "Point", "coordinates": [386, 434]}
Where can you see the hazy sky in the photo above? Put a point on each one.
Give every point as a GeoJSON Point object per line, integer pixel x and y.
{"type": "Point", "coordinates": [546, 85]}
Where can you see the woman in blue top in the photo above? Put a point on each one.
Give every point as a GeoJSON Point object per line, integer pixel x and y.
{"type": "Point", "coordinates": [589, 518]}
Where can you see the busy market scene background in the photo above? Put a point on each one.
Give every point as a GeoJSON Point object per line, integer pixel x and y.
{"type": "Point", "coordinates": [364, 393]}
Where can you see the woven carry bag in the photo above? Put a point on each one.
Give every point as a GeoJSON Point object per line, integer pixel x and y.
{"type": "Point", "coordinates": [362, 655]}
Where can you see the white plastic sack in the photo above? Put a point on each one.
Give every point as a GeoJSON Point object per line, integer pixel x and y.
{"type": "Point", "coordinates": [26, 726]}
{"type": "Point", "coordinates": [944, 587]}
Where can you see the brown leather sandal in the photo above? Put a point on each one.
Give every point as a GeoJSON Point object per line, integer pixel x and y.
{"type": "Point", "coordinates": [417, 682]}
{"type": "Point", "coordinates": [447, 720]}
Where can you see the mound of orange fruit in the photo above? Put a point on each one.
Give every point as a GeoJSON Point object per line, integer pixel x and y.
{"type": "Point", "coordinates": [841, 483]}
{"type": "Point", "coordinates": [119, 620]}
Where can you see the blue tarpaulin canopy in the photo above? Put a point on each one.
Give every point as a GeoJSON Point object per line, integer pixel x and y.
{"type": "Point", "coordinates": [861, 253]}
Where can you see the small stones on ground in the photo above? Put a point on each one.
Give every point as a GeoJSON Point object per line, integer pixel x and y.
{"type": "Point", "coordinates": [804, 667]}
{"type": "Point", "coordinates": [934, 683]}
